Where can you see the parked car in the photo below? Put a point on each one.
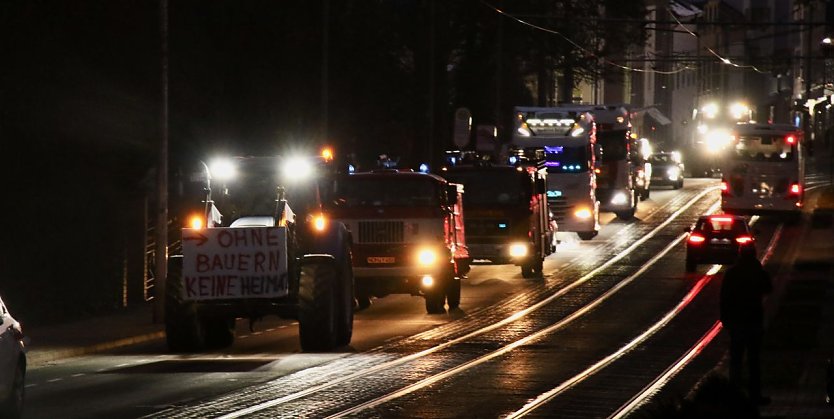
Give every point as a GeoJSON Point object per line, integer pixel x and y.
{"type": "Point", "coordinates": [667, 169]}
{"type": "Point", "coordinates": [12, 365]}
{"type": "Point", "coordinates": [716, 239]}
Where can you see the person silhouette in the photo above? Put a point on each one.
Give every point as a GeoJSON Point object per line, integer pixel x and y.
{"type": "Point", "coordinates": [742, 313]}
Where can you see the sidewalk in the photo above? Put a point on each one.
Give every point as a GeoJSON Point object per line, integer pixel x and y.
{"type": "Point", "coordinates": [128, 327]}
{"type": "Point", "coordinates": [800, 336]}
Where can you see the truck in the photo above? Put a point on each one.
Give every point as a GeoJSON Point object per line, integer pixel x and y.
{"type": "Point", "coordinates": [565, 141]}
{"type": "Point", "coordinates": [408, 234]}
{"type": "Point", "coordinates": [622, 173]}
{"type": "Point", "coordinates": [255, 242]}
{"type": "Point", "coordinates": [507, 216]}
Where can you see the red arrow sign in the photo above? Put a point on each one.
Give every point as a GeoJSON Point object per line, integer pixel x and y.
{"type": "Point", "coordinates": [201, 239]}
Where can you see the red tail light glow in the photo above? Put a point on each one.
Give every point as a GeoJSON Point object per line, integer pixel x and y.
{"type": "Point", "coordinates": [744, 239]}
{"type": "Point", "coordinates": [790, 139]}
{"type": "Point", "coordinates": [796, 189]}
{"type": "Point", "coordinates": [696, 238]}
{"type": "Point", "coordinates": [721, 219]}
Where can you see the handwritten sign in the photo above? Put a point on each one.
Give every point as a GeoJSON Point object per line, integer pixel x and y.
{"type": "Point", "coordinates": [227, 263]}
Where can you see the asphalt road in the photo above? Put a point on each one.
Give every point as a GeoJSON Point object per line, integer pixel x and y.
{"type": "Point", "coordinates": [610, 316]}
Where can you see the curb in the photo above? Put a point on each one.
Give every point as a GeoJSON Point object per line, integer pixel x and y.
{"type": "Point", "coordinates": [38, 357]}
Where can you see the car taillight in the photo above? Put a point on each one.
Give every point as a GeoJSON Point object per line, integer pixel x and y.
{"type": "Point", "coordinates": [696, 238]}
{"type": "Point", "coordinates": [796, 189]}
{"type": "Point", "coordinates": [744, 239]}
{"type": "Point", "coordinates": [725, 187]}
{"type": "Point", "coordinates": [790, 139]}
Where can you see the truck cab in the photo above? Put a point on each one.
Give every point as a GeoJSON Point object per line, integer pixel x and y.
{"type": "Point", "coordinates": [507, 216]}
{"type": "Point", "coordinates": [408, 234]}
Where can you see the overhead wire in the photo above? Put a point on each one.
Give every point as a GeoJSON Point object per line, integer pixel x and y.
{"type": "Point", "coordinates": [721, 58]}
{"type": "Point", "coordinates": [580, 47]}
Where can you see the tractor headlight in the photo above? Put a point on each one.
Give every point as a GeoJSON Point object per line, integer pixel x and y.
{"type": "Point", "coordinates": [196, 222]}
{"type": "Point", "coordinates": [223, 169]}
{"type": "Point", "coordinates": [518, 250]}
{"type": "Point", "coordinates": [297, 168]}
{"type": "Point", "coordinates": [319, 222]}
{"type": "Point", "coordinates": [426, 257]}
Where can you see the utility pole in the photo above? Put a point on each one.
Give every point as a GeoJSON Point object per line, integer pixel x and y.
{"type": "Point", "coordinates": [430, 147]}
{"type": "Point", "coordinates": [325, 75]}
{"type": "Point", "coordinates": [161, 249]}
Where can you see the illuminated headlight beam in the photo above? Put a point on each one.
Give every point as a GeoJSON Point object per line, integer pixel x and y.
{"type": "Point", "coordinates": [297, 168]}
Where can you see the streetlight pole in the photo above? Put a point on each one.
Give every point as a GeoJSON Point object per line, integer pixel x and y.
{"type": "Point", "coordinates": [161, 240]}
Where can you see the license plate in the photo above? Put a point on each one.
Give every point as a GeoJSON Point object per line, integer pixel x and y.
{"type": "Point", "coordinates": [381, 259]}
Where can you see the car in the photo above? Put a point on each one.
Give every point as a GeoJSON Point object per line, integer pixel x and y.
{"type": "Point", "coordinates": [12, 365]}
{"type": "Point", "coordinates": [716, 239]}
{"type": "Point", "coordinates": [667, 169]}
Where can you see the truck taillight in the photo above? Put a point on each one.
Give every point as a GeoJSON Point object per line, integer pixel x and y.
{"type": "Point", "coordinates": [696, 238]}
{"type": "Point", "coordinates": [790, 139]}
{"type": "Point", "coordinates": [796, 189]}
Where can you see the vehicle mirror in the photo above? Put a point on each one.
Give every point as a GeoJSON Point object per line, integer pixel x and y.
{"type": "Point", "coordinates": [452, 194]}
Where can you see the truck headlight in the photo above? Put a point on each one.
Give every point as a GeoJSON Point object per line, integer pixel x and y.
{"type": "Point", "coordinates": [518, 250]}
{"type": "Point", "coordinates": [619, 198]}
{"type": "Point", "coordinates": [426, 257]}
{"type": "Point", "coordinates": [673, 173]}
{"type": "Point", "coordinates": [583, 213]}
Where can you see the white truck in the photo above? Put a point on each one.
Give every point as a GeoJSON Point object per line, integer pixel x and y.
{"type": "Point", "coordinates": [564, 140]}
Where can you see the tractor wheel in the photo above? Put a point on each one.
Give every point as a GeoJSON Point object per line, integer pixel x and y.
{"type": "Point", "coordinates": [317, 306]}
{"type": "Point", "coordinates": [453, 293]}
{"type": "Point", "coordinates": [587, 235]}
{"type": "Point", "coordinates": [220, 333]}
{"type": "Point", "coordinates": [345, 299]}
{"type": "Point", "coordinates": [184, 332]}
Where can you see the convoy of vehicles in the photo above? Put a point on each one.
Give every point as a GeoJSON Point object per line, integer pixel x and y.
{"type": "Point", "coordinates": [565, 140]}
{"type": "Point", "coordinates": [667, 169]}
{"type": "Point", "coordinates": [764, 170]}
{"type": "Point", "coordinates": [12, 365]}
{"type": "Point", "coordinates": [716, 239]}
{"type": "Point", "coordinates": [408, 234]}
{"type": "Point", "coordinates": [257, 243]}
{"type": "Point", "coordinates": [507, 216]}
